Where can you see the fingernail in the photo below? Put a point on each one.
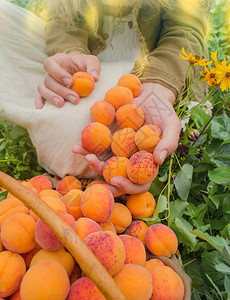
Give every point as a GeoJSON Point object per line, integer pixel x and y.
{"type": "Point", "coordinates": [66, 81]}
{"type": "Point", "coordinates": [71, 98]}
{"type": "Point", "coordinates": [94, 74]}
{"type": "Point", "coordinates": [163, 155]}
{"type": "Point", "coordinates": [56, 101]}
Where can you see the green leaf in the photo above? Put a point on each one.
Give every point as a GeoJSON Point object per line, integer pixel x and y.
{"type": "Point", "coordinates": [177, 209]}
{"type": "Point", "coordinates": [3, 195]}
{"type": "Point", "coordinates": [227, 284]}
{"type": "Point", "coordinates": [160, 207]}
{"type": "Point", "coordinates": [156, 187]}
{"type": "Point", "coordinates": [199, 117]}
{"type": "Point", "coordinates": [183, 231]}
{"type": "Point", "coordinates": [220, 127]}
{"type": "Point", "coordinates": [220, 175]}
{"type": "Point", "coordinates": [215, 199]}
{"type": "Point", "coordinates": [183, 181]}
{"type": "Point", "coordinates": [17, 131]}
{"type": "Point", "coordinates": [215, 286]}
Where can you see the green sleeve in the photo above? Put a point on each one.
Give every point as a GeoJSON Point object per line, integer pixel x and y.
{"type": "Point", "coordinates": [64, 37]}
{"type": "Point", "coordinates": [184, 26]}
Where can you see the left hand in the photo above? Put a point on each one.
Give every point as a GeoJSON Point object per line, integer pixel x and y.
{"type": "Point", "coordinates": [156, 101]}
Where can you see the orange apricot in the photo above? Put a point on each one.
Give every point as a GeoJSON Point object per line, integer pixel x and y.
{"type": "Point", "coordinates": [135, 282]}
{"type": "Point", "coordinates": [76, 273]}
{"type": "Point", "coordinates": [161, 240]}
{"type": "Point", "coordinates": [134, 249]}
{"type": "Point", "coordinates": [61, 256]}
{"type": "Point", "coordinates": [28, 256]}
{"type": "Point", "coordinates": [45, 280]}
{"type": "Point", "coordinates": [11, 206]}
{"type": "Point", "coordinates": [1, 245]}
{"type": "Point", "coordinates": [86, 226]}
{"type": "Point", "coordinates": [153, 263]}
{"type": "Point", "coordinates": [40, 183]}
{"type": "Point", "coordinates": [108, 248]}
{"type": "Point", "coordinates": [137, 229]}
{"type": "Point", "coordinates": [167, 284]}
{"type": "Point", "coordinates": [141, 205]}
{"type": "Point", "coordinates": [107, 225]}
{"type": "Point", "coordinates": [123, 144]}
{"type": "Point", "coordinates": [147, 137]}
{"type": "Point", "coordinates": [115, 166]}
{"type": "Point", "coordinates": [83, 84]}
{"type": "Point", "coordinates": [16, 296]}
{"type": "Point", "coordinates": [72, 201]}
{"type": "Point", "coordinates": [49, 192]}
{"type": "Point", "coordinates": [118, 96]}
{"type": "Point", "coordinates": [142, 168]}
{"type": "Point", "coordinates": [96, 182]}
{"type": "Point", "coordinates": [17, 233]}
{"type": "Point", "coordinates": [102, 112]}
{"type": "Point", "coordinates": [130, 115]}
{"type": "Point", "coordinates": [12, 268]}
{"type": "Point", "coordinates": [96, 137]}
{"type": "Point", "coordinates": [132, 82]}
{"type": "Point", "coordinates": [84, 288]}
{"type": "Point", "coordinates": [45, 237]}
{"type": "Point", "coordinates": [67, 184]}
{"type": "Point", "coordinates": [97, 203]}
{"type": "Point", "coordinates": [120, 217]}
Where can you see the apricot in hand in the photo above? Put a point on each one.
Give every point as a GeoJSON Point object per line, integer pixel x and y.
{"type": "Point", "coordinates": [83, 84]}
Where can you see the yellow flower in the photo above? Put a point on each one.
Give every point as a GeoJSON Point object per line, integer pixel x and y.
{"type": "Point", "coordinates": [223, 75]}
{"type": "Point", "coordinates": [214, 57]}
{"type": "Point", "coordinates": [194, 59]}
{"type": "Point", "coordinates": [209, 76]}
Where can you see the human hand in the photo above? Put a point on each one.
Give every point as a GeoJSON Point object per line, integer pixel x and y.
{"type": "Point", "coordinates": [59, 70]}
{"type": "Point", "coordinates": [157, 104]}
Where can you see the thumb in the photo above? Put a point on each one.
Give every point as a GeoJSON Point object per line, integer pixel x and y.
{"type": "Point", "coordinates": [169, 142]}
{"type": "Point", "coordinates": [93, 67]}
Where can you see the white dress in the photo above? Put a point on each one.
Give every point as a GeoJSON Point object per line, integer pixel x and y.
{"type": "Point", "coordinates": [52, 130]}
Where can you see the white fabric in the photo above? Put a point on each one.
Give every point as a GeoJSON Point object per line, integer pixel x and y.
{"type": "Point", "coordinates": [52, 130]}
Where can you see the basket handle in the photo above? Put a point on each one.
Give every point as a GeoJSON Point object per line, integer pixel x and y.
{"type": "Point", "coordinates": [82, 254]}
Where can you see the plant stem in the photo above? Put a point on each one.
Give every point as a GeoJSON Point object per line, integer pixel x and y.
{"type": "Point", "coordinates": [169, 190]}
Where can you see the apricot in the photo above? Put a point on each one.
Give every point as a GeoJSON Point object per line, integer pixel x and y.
{"type": "Point", "coordinates": [123, 142]}
{"type": "Point", "coordinates": [53, 202]}
{"type": "Point", "coordinates": [107, 225]}
{"type": "Point", "coordinates": [141, 205]}
{"type": "Point", "coordinates": [45, 280]}
{"type": "Point", "coordinates": [61, 256]}
{"type": "Point", "coordinates": [167, 284]}
{"type": "Point", "coordinates": [161, 240]}
{"type": "Point", "coordinates": [12, 268]}
{"type": "Point", "coordinates": [45, 237]}
{"type": "Point", "coordinates": [97, 203]}
{"type": "Point", "coordinates": [85, 226]}
{"type": "Point", "coordinates": [40, 183]}
{"type": "Point", "coordinates": [102, 112]}
{"type": "Point", "coordinates": [96, 182]}
{"type": "Point", "coordinates": [142, 168]}
{"type": "Point", "coordinates": [135, 282]}
{"type": "Point", "coordinates": [118, 96]}
{"type": "Point", "coordinates": [137, 229]}
{"type": "Point", "coordinates": [1, 246]}
{"type": "Point", "coordinates": [67, 184]}
{"type": "Point", "coordinates": [134, 249]}
{"type": "Point", "coordinates": [17, 233]}
{"type": "Point", "coordinates": [153, 263]}
{"type": "Point", "coordinates": [28, 256]}
{"type": "Point", "coordinates": [130, 115]}
{"type": "Point", "coordinates": [132, 82]}
{"type": "Point", "coordinates": [76, 273]}
{"type": "Point", "coordinates": [96, 137]}
{"type": "Point", "coordinates": [120, 217]}
{"type": "Point", "coordinates": [115, 166]}
{"type": "Point", "coordinates": [10, 207]}
{"type": "Point", "coordinates": [83, 84]}
{"type": "Point", "coordinates": [72, 201]}
{"type": "Point", "coordinates": [49, 192]}
{"type": "Point", "coordinates": [147, 137]}
{"type": "Point", "coordinates": [84, 288]}
{"type": "Point", "coordinates": [16, 296]}
{"type": "Point", "coordinates": [108, 248]}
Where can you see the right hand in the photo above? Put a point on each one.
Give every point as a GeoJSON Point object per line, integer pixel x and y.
{"type": "Point", "coordinates": [59, 70]}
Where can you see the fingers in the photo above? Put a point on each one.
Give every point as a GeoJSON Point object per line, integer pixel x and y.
{"type": "Point", "coordinates": [61, 90]}
{"type": "Point", "coordinates": [94, 163]}
{"type": "Point", "coordinates": [79, 149]}
{"type": "Point", "coordinates": [39, 101]}
{"type": "Point", "coordinates": [50, 96]}
{"type": "Point", "coordinates": [87, 63]}
{"type": "Point", "coordinates": [52, 65]}
{"type": "Point", "coordinates": [125, 186]}
{"type": "Point", "coordinates": [169, 142]}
